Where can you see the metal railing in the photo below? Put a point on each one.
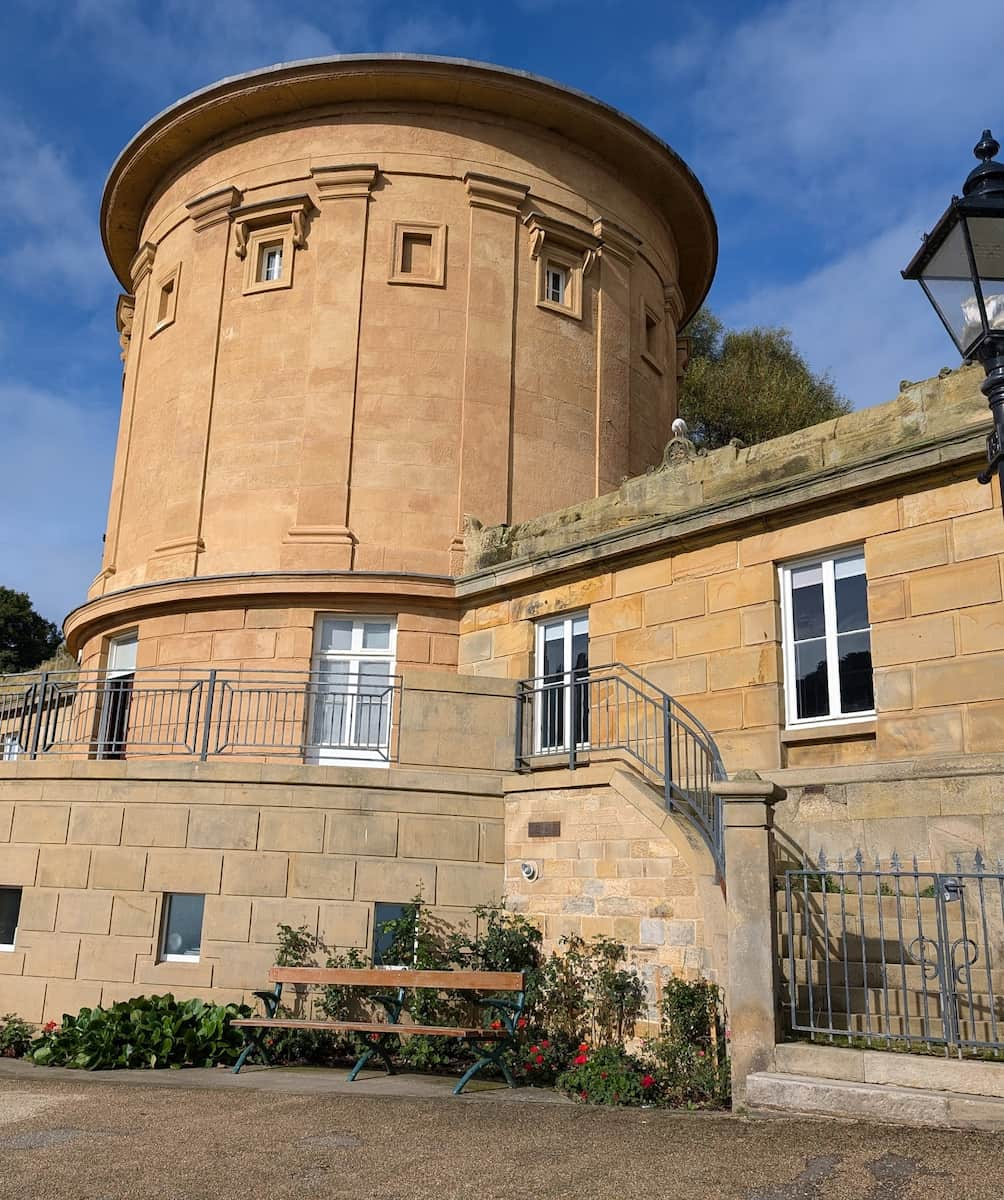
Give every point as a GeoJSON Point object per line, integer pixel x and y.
{"type": "Point", "coordinates": [199, 714]}
{"type": "Point", "coordinates": [613, 708]}
{"type": "Point", "coordinates": [894, 957]}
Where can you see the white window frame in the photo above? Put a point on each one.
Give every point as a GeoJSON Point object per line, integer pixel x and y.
{"type": "Point", "coordinates": [164, 955]}
{"type": "Point", "coordinates": [568, 622]}
{"type": "Point", "coordinates": [7, 947]}
{"type": "Point", "coordinates": [356, 654]}
{"type": "Point", "coordinates": [265, 252]}
{"type": "Point", "coordinates": [836, 716]}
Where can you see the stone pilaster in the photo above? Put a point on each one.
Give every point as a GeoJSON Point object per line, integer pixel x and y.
{"type": "Point", "coordinates": [321, 538]}
{"type": "Point", "coordinates": [751, 994]}
{"type": "Point", "coordinates": [486, 428]}
{"type": "Point", "coordinates": [177, 551]}
{"type": "Point", "coordinates": [613, 354]}
{"type": "Point", "coordinates": [140, 272]}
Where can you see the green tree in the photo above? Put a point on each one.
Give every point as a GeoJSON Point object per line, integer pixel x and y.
{"type": "Point", "coordinates": [750, 384]}
{"type": "Point", "coordinates": [26, 639]}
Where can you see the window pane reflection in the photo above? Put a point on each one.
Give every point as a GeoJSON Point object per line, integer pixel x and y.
{"type": "Point", "coordinates": [812, 679]}
{"type": "Point", "coordinates": [856, 691]}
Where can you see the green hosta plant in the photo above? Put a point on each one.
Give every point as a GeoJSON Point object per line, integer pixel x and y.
{"type": "Point", "coordinates": [148, 1031]}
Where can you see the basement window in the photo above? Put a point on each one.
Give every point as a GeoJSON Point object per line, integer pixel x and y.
{"type": "Point", "coordinates": [181, 934]}
{"type": "Point", "coordinates": [827, 640]}
{"type": "Point", "coordinates": [10, 912]}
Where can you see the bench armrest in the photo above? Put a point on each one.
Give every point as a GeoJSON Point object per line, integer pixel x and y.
{"type": "Point", "coordinates": [509, 1010]}
{"type": "Point", "coordinates": [270, 1000]}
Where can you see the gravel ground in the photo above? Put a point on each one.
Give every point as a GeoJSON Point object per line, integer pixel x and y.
{"type": "Point", "coordinates": [91, 1140]}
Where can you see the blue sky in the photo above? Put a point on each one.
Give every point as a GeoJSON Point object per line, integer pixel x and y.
{"type": "Point", "coordinates": [829, 135]}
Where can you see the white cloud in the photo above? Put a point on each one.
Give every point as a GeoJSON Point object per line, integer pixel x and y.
{"type": "Point", "coordinates": [856, 318]}
{"type": "Point", "coordinates": [836, 106]}
{"type": "Point", "coordinates": [57, 466]}
{"type": "Point", "coordinates": [48, 214]}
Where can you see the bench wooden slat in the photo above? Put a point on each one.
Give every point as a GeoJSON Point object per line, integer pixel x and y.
{"type": "Point", "coordinates": [376, 1027]}
{"type": "Point", "coordinates": [385, 977]}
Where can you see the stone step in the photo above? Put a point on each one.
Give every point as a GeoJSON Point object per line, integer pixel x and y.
{"type": "Point", "coordinates": [877, 1026]}
{"type": "Point", "coordinates": [896, 1002]}
{"type": "Point", "coordinates": [812, 1095]}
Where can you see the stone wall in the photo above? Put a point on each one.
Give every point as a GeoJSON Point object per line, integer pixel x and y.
{"type": "Point", "coordinates": [616, 865]}
{"type": "Point", "coordinates": [699, 614]}
{"type": "Point", "coordinates": [95, 846]}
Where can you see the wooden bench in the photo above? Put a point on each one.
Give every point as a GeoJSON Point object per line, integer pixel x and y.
{"type": "Point", "coordinates": [490, 1044]}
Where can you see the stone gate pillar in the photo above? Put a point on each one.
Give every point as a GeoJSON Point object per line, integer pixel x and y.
{"type": "Point", "coordinates": [751, 992]}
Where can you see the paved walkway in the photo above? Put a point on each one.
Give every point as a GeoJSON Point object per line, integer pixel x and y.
{"type": "Point", "coordinates": [274, 1135]}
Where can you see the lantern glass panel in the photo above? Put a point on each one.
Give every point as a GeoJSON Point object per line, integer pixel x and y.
{"type": "Point", "coordinates": [948, 281]}
{"type": "Point", "coordinates": [987, 236]}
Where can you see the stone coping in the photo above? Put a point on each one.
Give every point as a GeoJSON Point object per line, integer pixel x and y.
{"type": "Point", "coordinates": [890, 772]}
{"type": "Point", "coordinates": [828, 490]}
{"type": "Point", "coordinates": [193, 593]}
{"type": "Point", "coordinates": [440, 780]}
{"type": "Point", "coordinates": [406, 81]}
{"type": "Point", "coordinates": [935, 428]}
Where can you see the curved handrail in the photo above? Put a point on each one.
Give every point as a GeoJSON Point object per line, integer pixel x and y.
{"type": "Point", "coordinates": [614, 707]}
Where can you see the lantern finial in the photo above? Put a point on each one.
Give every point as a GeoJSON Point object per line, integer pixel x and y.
{"type": "Point", "coordinates": [988, 178]}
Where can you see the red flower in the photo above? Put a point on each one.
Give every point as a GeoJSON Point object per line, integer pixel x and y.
{"type": "Point", "coordinates": [49, 1026]}
{"type": "Point", "coordinates": [374, 1037]}
{"type": "Point", "coordinates": [539, 1059]}
{"type": "Point", "coordinates": [647, 1081]}
{"type": "Point", "coordinates": [533, 1049]}
{"type": "Point", "coordinates": [496, 1024]}
{"type": "Point", "coordinates": [583, 1047]}
{"type": "Point", "coordinates": [581, 1060]}
{"type": "Point", "coordinates": [603, 1074]}
{"type": "Point", "coordinates": [545, 1044]}
{"type": "Point", "coordinates": [700, 1054]}
{"type": "Point", "coordinates": [583, 1095]}
{"type": "Point", "coordinates": [521, 1023]}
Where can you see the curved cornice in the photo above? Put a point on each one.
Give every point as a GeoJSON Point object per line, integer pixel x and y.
{"type": "Point", "coordinates": [653, 167]}
{"type": "Point", "coordinates": [197, 593]}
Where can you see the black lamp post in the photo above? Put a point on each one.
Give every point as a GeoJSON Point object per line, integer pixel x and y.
{"type": "Point", "coordinates": [960, 266]}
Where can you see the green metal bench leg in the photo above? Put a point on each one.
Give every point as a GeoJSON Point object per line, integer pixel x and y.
{"type": "Point", "coordinates": [495, 1057]}
{"type": "Point", "coordinates": [251, 1043]}
{"type": "Point", "coordinates": [367, 1054]}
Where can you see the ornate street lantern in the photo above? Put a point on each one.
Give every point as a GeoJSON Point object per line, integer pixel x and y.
{"type": "Point", "coordinates": [960, 266]}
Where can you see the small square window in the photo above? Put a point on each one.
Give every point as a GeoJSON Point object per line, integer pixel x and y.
{"type": "Point", "coordinates": [10, 912]}
{"type": "Point", "coordinates": [270, 262]}
{"type": "Point", "coordinates": [181, 934]}
{"type": "Point", "coordinates": [827, 640]}
{"type": "Point", "coordinates": [165, 301]}
{"type": "Point", "coordinates": [418, 254]}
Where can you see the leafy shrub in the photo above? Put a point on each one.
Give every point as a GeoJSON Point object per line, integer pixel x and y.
{"type": "Point", "coordinates": [148, 1031]}
{"type": "Point", "coordinates": [16, 1036]}
{"type": "Point", "coordinates": [689, 1055]}
{"type": "Point", "coordinates": [587, 995]}
{"type": "Point", "coordinates": [607, 1075]}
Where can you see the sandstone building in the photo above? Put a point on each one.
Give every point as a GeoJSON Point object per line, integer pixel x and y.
{"type": "Point", "coordinates": [401, 348]}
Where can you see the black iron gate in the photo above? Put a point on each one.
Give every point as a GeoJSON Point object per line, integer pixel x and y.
{"type": "Point", "coordinates": [894, 957]}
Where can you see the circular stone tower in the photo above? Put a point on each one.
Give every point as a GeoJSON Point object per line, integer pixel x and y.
{"type": "Point", "coordinates": [366, 299]}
